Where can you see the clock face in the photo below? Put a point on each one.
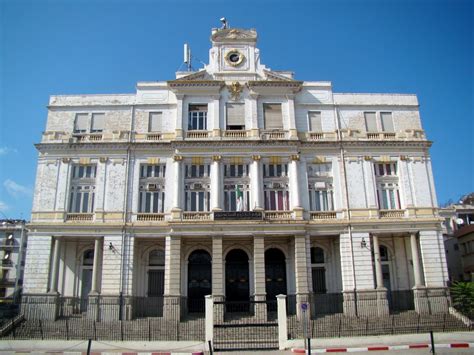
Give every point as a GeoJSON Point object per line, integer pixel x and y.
{"type": "Point", "coordinates": [234, 57]}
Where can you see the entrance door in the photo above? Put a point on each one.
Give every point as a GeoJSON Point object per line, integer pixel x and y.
{"type": "Point", "coordinates": [156, 286]}
{"type": "Point", "coordinates": [237, 280]}
{"type": "Point", "coordinates": [199, 280]}
{"type": "Point", "coordinates": [275, 273]}
{"type": "Point", "coordinates": [86, 286]}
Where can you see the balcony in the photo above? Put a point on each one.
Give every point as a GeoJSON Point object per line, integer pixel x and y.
{"type": "Point", "coordinates": [273, 135]}
{"type": "Point", "coordinates": [320, 136]}
{"type": "Point", "coordinates": [85, 137]}
{"type": "Point", "coordinates": [197, 134]}
{"type": "Point", "coordinates": [197, 216]}
{"type": "Point", "coordinates": [322, 215]}
{"type": "Point", "coordinates": [154, 137]}
{"type": "Point", "coordinates": [388, 214]}
{"type": "Point", "coordinates": [234, 134]}
{"type": "Point", "coordinates": [381, 135]}
{"type": "Point", "coordinates": [150, 217]}
{"type": "Point", "coordinates": [79, 217]}
{"type": "Point", "coordinates": [278, 215]}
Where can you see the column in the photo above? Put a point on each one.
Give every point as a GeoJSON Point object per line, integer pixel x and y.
{"type": "Point", "coordinates": [216, 186]}
{"type": "Point", "coordinates": [95, 266]}
{"type": "Point", "coordinates": [216, 131]}
{"type": "Point", "coordinates": [259, 276]}
{"type": "Point", "coordinates": [179, 116]}
{"type": "Point", "coordinates": [256, 183]}
{"type": "Point", "coordinates": [301, 272]}
{"type": "Point", "coordinates": [172, 293]}
{"type": "Point", "coordinates": [217, 278]}
{"type": "Point", "coordinates": [416, 260]}
{"type": "Point", "coordinates": [177, 187]}
{"type": "Point", "coordinates": [295, 187]}
{"type": "Point", "coordinates": [381, 291]}
{"type": "Point", "coordinates": [293, 133]}
{"type": "Point", "coordinates": [55, 266]}
{"type": "Point", "coordinates": [252, 111]}
{"type": "Point", "coordinates": [378, 263]}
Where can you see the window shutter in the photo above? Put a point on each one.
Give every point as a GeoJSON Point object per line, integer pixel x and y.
{"type": "Point", "coordinates": [98, 122]}
{"type": "Point", "coordinates": [154, 124]}
{"type": "Point", "coordinates": [315, 124]}
{"type": "Point", "coordinates": [387, 122]}
{"type": "Point", "coordinates": [80, 125]}
{"type": "Point", "coordinates": [235, 114]}
{"type": "Point", "coordinates": [370, 123]}
{"type": "Point", "coordinates": [272, 116]}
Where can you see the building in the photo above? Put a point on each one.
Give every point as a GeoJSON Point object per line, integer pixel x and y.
{"type": "Point", "coordinates": [237, 181]}
{"type": "Point", "coordinates": [457, 231]}
{"type": "Point", "coordinates": [13, 241]}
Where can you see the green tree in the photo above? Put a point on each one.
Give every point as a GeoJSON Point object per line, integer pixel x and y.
{"type": "Point", "coordinates": [463, 297]}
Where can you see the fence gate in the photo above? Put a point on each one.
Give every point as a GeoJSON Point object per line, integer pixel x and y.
{"type": "Point", "coordinates": [245, 325]}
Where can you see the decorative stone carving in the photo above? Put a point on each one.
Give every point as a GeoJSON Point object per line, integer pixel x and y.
{"type": "Point", "coordinates": [216, 158]}
{"type": "Point", "coordinates": [235, 89]}
{"type": "Point", "coordinates": [256, 157]}
{"type": "Point", "coordinates": [177, 157]}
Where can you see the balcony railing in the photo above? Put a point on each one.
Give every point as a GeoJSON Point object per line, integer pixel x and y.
{"type": "Point", "coordinates": [79, 217]}
{"type": "Point", "coordinates": [197, 134]}
{"type": "Point", "coordinates": [154, 137]}
{"type": "Point", "coordinates": [319, 136]}
{"type": "Point", "coordinates": [234, 134]}
{"type": "Point", "coordinates": [381, 135]}
{"type": "Point", "coordinates": [278, 215]}
{"type": "Point", "coordinates": [197, 216]}
{"type": "Point", "coordinates": [150, 217]}
{"type": "Point", "coordinates": [272, 135]}
{"type": "Point", "coordinates": [85, 137]}
{"type": "Point", "coordinates": [322, 215]}
{"type": "Point", "coordinates": [392, 213]}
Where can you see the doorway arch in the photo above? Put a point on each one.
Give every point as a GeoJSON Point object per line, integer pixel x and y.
{"type": "Point", "coordinates": [237, 276]}
{"type": "Point", "coordinates": [199, 279]}
{"type": "Point", "coordinates": [275, 273]}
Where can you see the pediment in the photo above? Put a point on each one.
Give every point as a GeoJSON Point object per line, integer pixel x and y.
{"type": "Point", "coordinates": [273, 76]}
{"type": "Point", "coordinates": [200, 75]}
{"type": "Point", "coordinates": [234, 35]}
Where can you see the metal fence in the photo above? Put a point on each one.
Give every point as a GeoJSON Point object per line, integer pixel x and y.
{"type": "Point", "coordinates": [245, 325]}
{"type": "Point", "coordinates": [328, 316]}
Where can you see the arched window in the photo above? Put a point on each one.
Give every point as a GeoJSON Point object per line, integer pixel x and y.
{"type": "Point", "coordinates": [318, 270]}
{"type": "Point", "coordinates": [383, 253]}
{"type": "Point", "coordinates": [156, 258]}
{"type": "Point", "coordinates": [88, 258]}
{"type": "Point", "coordinates": [156, 273]}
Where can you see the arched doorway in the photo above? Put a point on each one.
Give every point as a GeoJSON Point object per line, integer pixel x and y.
{"type": "Point", "coordinates": [237, 276]}
{"type": "Point", "coordinates": [199, 279]}
{"type": "Point", "coordinates": [275, 273]}
{"type": "Point", "coordinates": [86, 277]}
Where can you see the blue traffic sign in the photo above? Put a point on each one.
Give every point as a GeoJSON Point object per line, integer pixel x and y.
{"type": "Point", "coordinates": [304, 306]}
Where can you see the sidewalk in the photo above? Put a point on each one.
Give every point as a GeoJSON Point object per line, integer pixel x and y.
{"type": "Point", "coordinates": [385, 342]}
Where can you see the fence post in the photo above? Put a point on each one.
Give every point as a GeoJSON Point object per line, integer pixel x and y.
{"type": "Point", "coordinates": [209, 320]}
{"type": "Point", "coordinates": [282, 322]}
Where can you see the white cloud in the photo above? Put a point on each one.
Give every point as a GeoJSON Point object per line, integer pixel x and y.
{"type": "Point", "coordinates": [16, 190]}
{"type": "Point", "coordinates": [6, 150]}
{"type": "Point", "coordinates": [3, 206]}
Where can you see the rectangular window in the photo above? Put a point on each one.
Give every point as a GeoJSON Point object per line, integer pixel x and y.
{"type": "Point", "coordinates": [151, 198]}
{"type": "Point", "coordinates": [81, 123]}
{"type": "Point", "coordinates": [98, 122]}
{"type": "Point", "coordinates": [273, 118]}
{"type": "Point", "coordinates": [386, 169]}
{"type": "Point", "coordinates": [387, 121]}
{"type": "Point", "coordinates": [155, 122]}
{"type": "Point", "coordinates": [197, 119]}
{"type": "Point", "coordinates": [370, 122]}
{"type": "Point", "coordinates": [315, 124]}
{"type": "Point", "coordinates": [235, 116]}
{"type": "Point", "coordinates": [275, 170]}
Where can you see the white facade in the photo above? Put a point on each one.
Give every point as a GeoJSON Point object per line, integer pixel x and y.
{"type": "Point", "coordinates": [133, 176]}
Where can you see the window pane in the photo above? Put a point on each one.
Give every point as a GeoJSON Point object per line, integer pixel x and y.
{"type": "Point", "coordinates": [154, 123]}
{"type": "Point", "coordinates": [315, 124]}
{"type": "Point", "coordinates": [272, 116]}
{"type": "Point", "coordinates": [387, 122]}
{"type": "Point", "coordinates": [98, 122]}
{"type": "Point", "coordinates": [370, 123]}
{"type": "Point", "coordinates": [193, 201]}
{"type": "Point", "coordinates": [201, 201]}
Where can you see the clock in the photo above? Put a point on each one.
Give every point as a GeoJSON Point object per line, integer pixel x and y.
{"type": "Point", "coordinates": [234, 57]}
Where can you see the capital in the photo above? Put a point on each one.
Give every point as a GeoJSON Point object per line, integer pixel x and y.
{"type": "Point", "coordinates": [216, 158]}
{"type": "Point", "coordinates": [177, 157]}
{"type": "Point", "coordinates": [256, 157]}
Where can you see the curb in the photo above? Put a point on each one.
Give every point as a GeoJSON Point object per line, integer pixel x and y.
{"type": "Point", "coordinates": [383, 347]}
{"type": "Point", "coordinates": [112, 353]}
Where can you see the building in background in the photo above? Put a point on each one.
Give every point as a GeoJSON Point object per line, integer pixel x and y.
{"type": "Point", "coordinates": [237, 181]}
{"type": "Point", "coordinates": [13, 242]}
{"type": "Point", "coordinates": [458, 238]}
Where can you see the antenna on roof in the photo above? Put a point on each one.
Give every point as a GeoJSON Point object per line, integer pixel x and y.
{"type": "Point", "coordinates": [187, 56]}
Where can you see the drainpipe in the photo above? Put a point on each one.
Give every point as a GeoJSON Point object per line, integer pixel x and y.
{"type": "Point", "coordinates": [346, 193]}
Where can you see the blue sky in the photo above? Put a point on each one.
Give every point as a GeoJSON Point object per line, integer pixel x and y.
{"type": "Point", "coordinates": [81, 47]}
